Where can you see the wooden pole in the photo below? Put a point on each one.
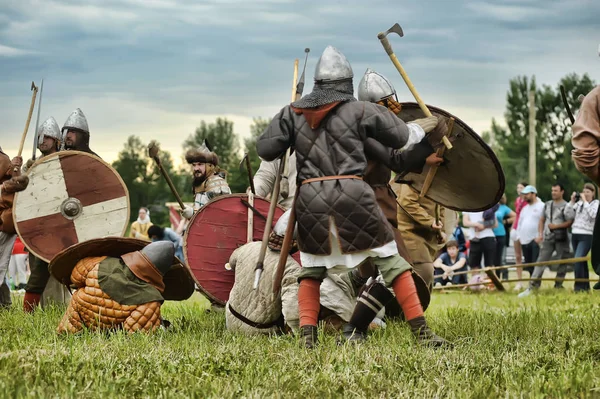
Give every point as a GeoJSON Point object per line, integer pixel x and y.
{"type": "Point", "coordinates": [532, 134]}
{"type": "Point", "coordinates": [547, 263]}
{"type": "Point", "coordinates": [517, 280]}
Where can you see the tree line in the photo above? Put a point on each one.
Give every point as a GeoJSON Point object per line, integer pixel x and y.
{"type": "Point", "coordinates": [511, 145]}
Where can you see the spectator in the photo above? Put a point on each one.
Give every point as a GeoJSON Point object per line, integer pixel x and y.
{"type": "Point", "coordinates": [157, 233]}
{"type": "Point", "coordinates": [459, 236]}
{"type": "Point", "coordinates": [514, 237]}
{"type": "Point", "coordinates": [504, 213]}
{"type": "Point", "coordinates": [553, 227]}
{"type": "Point", "coordinates": [139, 228]}
{"type": "Point", "coordinates": [529, 221]}
{"type": "Point", "coordinates": [583, 208]}
{"type": "Point", "coordinates": [449, 262]}
{"type": "Point", "coordinates": [17, 268]}
{"type": "Point", "coordinates": [483, 241]}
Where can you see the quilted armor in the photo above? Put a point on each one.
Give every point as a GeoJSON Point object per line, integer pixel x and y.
{"type": "Point", "coordinates": [335, 147]}
{"type": "Point", "coordinates": [214, 186]}
{"type": "Point", "coordinates": [93, 308]}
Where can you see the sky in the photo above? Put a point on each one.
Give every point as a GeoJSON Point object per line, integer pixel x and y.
{"type": "Point", "coordinates": [156, 68]}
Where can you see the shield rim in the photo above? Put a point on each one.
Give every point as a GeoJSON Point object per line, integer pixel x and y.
{"type": "Point", "coordinates": [200, 289]}
{"type": "Point", "coordinates": [57, 154]}
{"type": "Point", "coordinates": [483, 144]}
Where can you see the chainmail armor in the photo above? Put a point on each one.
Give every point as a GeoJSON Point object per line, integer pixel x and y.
{"type": "Point", "coordinates": [327, 93]}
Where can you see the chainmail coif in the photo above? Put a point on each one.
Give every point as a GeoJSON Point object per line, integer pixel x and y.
{"type": "Point", "coordinates": [327, 93]}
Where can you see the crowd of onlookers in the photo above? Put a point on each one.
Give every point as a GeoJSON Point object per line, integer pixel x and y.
{"type": "Point", "coordinates": [537, 231]}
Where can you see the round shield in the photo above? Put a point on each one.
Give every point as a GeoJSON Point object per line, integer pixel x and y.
{"type": "Point", "coordinates": [214, 232]}
{"type": "Point", "coordinates": [471, 178]}
{"type": "Point", "coordinates": [72, 197]}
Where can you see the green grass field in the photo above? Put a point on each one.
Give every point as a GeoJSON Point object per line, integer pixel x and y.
{"type": "Point", "coordinates": [542, 346]}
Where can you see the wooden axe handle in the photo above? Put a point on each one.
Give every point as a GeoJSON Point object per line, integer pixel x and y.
{"type": "Point", "coordinates": [432, 171]}
{"type": "Point", "coordinates": [285, 247]}
{"type": "Point", "coordinates": [24, 136]}
{"type": "Point", "coordinates": [169, 181]}
{"type": "Point", "coordinates": [388, 49]}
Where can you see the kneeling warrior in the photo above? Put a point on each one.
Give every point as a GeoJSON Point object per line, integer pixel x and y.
{"type": "Point", "coordinates": [121, 291]}
{"type": "Point", "coordinates": [257, 311]}
{"type": "Point", "coordinates": [339, 223]}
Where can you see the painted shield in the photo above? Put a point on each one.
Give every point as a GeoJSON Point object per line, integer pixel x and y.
{"type": "Point", "coordinates": [471, 178]}
{"type": "Point", "coordinates": [72, 197]}
{"type": "Point", "coordinates": [215, 231]}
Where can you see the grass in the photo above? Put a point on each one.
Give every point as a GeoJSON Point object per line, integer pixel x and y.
{"type": "Point", "coordinates": [542, 346]}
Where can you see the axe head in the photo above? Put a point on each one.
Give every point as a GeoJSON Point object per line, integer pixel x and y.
{"type": "Point", "coordinates": [33, 86]}
{"type": "Point", "coordinates": [396, 29]}
{"type": "Point", "coordinates": [153, 150]}
{"type": "Point", "coordinates": [242, 162]}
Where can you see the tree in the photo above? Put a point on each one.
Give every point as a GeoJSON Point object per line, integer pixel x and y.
{"type": "Point", "coordinates": [144, 182]}
{"type": "Point", "coordinates": [553, 134]}
{"type": "Point", "coordinates": [257, 128]}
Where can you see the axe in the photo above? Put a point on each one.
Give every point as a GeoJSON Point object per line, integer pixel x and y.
{"type": "Point", "coordinates": [37, 122]}
{"type": "Point", "coordinates": [382, 36]}
{"type": "Point", "coordinates": [246, 160]}
{"type": "Point", "coordinates": [35, 90]}
{"type": "Point", "coordinates": [153, 153]}
{"type": "Point", "coordinates": [432, 171]}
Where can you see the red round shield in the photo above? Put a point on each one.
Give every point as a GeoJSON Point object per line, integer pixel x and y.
{"type": "Point", "coordinates": [214, 232]}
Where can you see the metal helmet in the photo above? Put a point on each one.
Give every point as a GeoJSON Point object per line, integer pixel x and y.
{"type": "Point", "coordinates": [76, 121]}
{"type": "Point", "coordinates": [282, 224]}
{"type": "Point", "coordinates": [374, 87]}
{"type": "Point", "coordinates": [332, 66]}
{"type": "Point", "coordinates": [160, 254]}
{"type": "Point", "coordinates": [49, 128]}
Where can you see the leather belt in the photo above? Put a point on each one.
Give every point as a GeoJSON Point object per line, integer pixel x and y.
{"type": "Point", "coordinates": [325, 178]}
{"type": "Point", "coordinates": [277, 323]}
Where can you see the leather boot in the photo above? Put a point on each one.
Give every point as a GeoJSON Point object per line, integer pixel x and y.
{"type": "Point", "coordinates": [309, 336]}
{"type": "Point", "coordinates": [353, 334]}
{"type": "Point", "coordinates": [424, 335]}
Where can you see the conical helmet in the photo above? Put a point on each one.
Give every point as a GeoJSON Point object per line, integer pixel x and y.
{"type": "Point", "coordinates": [160, 254]}
{"type": "Point", "coordinates": [49, 128]}
{"type": "Point", "coordinates": [374, 87]}
{"type": "Point", "coordinates": [76, 121]}
{"type": "Point", "coordinates": [332, 66]}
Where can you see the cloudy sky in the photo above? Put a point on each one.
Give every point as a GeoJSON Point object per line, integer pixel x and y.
{"type": "Point", "coordinates": [156, 68]}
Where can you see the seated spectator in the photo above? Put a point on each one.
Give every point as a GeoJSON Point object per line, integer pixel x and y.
{"type": "Point", "coordinates": [139, 228]}
{"type": "Point", "coordinates": [448, 263]}
{"type": "Point", "coordinates": [157, 233]}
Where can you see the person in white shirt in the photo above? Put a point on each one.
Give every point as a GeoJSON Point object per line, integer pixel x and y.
{"type": "Point", "coordinates": [529, 221]}
{"type": "Point", "coordinates": [583, 208]}
{"type": "Point", "coordinates": [483, 239]}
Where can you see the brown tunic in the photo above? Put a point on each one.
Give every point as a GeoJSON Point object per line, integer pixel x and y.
{"type": "Point", "coordinates": [586, 134]}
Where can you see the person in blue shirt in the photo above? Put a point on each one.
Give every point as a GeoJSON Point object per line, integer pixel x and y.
{"type": "Point", "coordinates": [157, 233]}
{"type": "Point", "coordinates": [448, 263]}
{"type": "Point", "coordinates": [505, 215]}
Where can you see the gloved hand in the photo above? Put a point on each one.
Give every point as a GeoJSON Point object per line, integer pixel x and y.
{"type": "Point", "coordinates": [17, 162]}
{"type": "Point", "coordinates": [187, 212]}
{"type": "Point", "coordinates": [435, 137]}
{"type": "Point", "coordinates": [427, 124]}
{"type": "Point", "coordinates": [29, 164]}
{"type": "Point", "coordinates": [15, 184]}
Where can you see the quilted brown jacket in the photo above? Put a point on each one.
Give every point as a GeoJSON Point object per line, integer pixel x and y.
{"type": "Point", "coordinates": [330, 141]}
